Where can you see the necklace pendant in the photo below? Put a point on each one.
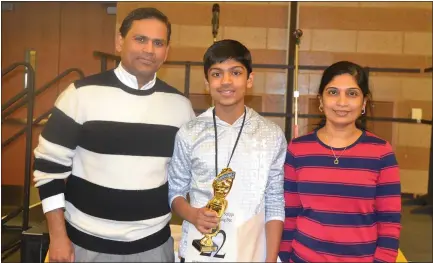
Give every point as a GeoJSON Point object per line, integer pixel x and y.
{"type": "Point", "coordinates": [336, 161]}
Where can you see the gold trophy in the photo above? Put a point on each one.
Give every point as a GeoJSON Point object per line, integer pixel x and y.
{"type": "Point", "coordinates": [221, 186]}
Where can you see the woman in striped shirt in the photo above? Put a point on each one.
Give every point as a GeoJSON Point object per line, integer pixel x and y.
{"type": "Point", "coordinates": [342, 185]}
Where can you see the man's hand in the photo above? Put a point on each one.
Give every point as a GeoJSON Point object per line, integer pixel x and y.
{"type": "Point", "coordinates": [61, 250]}
{"type": "Point", "coordinates": [204, 220]}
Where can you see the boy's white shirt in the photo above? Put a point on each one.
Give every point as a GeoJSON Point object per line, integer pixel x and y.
{"type": "Point", "coordinates": [257, 195]}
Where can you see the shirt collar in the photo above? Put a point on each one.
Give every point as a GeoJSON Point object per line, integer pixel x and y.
{"type": "Point", "coordinates": [130, 80]}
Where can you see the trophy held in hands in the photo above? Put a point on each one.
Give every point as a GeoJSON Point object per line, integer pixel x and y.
{"type": "Point", "coordinates": [222, 185]}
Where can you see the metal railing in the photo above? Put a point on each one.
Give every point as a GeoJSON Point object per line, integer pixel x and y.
{"type": "Point", "coordinates": [25, 97]}
{"type": "Point", "coordinates": [104, 57]}
{"type": "Point", "coordinates": [288, 115]}
{"type": "Point", "coordinates": [29, 93]}
{"type": "Point", "coordinates": [39, 91]}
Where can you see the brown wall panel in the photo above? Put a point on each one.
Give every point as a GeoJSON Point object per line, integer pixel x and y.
{"type": "Point", "coordinates": [31, 25]}
{"type": "Point", "coordinates": [13, 157]}
{"type": "Point", "coordinates": [274, 103]}
{"type": "Point", "coordinates": [79, 38]}
{"type": "Point", "coordinates": [404, 108]}
{"type": "Point", "coordinates": [367, 18]}
{"type": "Point", "coordinates": [412, 158]}
{"type": "Point", "coordinates": [382, 129]}
{"type": "Point", "coordinates": [64, 35]}
{"type": "Point", "coordinates": [200, 101]}
{"type": "Point", "coordinates": [313, 108]}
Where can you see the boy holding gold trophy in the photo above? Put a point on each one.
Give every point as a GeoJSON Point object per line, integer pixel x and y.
{"type": "Point", "coordinates": [230, 162]}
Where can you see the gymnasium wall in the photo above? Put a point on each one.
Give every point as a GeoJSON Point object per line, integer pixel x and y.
{"type": "Point", "coordinates": [374, 34]}
{"type": "Point", "coordinates": [261, 26]}
{"type": "Point", "coordinates": [386, 35]}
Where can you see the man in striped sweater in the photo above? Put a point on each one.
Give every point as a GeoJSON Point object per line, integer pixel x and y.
{"type": "Point", "coordinates": [100, 165]}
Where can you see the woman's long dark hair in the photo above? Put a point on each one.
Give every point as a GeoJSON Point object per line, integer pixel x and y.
{"type": "Point", "coordinates": [361, 78]}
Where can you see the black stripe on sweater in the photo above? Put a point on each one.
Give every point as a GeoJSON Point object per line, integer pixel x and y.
{"type": "Point", "coordinates": [119, 138]}
{"type": "Point", "coordinates": [106, 246]}
{"type": "Point", "coordinates": [61, 129]}
{"type": "Point", "coordinates": [116, 204]}
{"type": "Point", "coordinates": [50, 167]}
{"type": "Point", "coordinates": [55, 187]}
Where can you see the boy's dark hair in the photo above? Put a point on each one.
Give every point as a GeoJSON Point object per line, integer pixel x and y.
{"type": "Point", "coordinates": [224, 50]}
{"type": "Point", "coordinates": [144, 13]}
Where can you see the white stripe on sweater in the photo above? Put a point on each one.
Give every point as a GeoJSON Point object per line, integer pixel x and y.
{"type": "Point", "coordinates": [120, 171]}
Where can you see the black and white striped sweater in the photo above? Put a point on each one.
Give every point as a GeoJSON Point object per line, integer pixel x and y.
{"type": "Point", "coordinates": [112, 144]}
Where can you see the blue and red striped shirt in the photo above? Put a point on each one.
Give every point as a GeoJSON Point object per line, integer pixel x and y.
{"type": "Point", "coordinates": [345, 212]}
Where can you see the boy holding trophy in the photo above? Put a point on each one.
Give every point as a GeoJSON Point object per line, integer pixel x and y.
{"type": "Point", "coordinates": [230, 162]}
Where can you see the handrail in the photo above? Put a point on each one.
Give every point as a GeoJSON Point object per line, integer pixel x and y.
{"type": "Point", "coordinates": [22, 93]}
{"type": "Point", "coordinates": [30, 99]}
{"type": "Point", "coordinates": [28, 129]}
{"type": "Point", "coordinates": [14, 137]}
{"type": "Point", "coordinates": [44, 115]}
{"type": "Point", "coordinates": [42, 89]}
{"type": "Point", "coordinates": [14, 65]}
{"type": "Point", "coordinates": [30, 89]}
{"type": "Point", "coordinates": [12, 215]}
{"type": "Point", "coordinates": [23, 130]}
{"type": "Point", "coordinates": [104, 56]}
{"type": "Point", "coordinates": [11, 247]}
{"type": "Point", "coordinates": [14, 99]}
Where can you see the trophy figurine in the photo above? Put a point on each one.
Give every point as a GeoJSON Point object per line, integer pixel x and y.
{"type": "Point", "coordinates": [221, 186]}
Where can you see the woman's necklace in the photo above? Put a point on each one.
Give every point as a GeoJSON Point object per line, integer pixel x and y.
{"type": "Point", "coordinates": [336, 161]}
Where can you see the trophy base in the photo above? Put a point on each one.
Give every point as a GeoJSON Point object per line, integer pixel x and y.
{"type": "Point", "coordinates": [201, 248]}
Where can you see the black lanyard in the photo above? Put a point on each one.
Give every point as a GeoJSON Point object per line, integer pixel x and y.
{"type": "Point", "coordinates": [216, 141]}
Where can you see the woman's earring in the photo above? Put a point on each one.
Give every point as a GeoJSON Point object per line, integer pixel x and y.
{"type": "Point", "coordinates": [363, 111]}
{"type": "Point", "coordinates": [321, 108]}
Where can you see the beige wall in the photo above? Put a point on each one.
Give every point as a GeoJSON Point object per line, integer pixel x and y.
{"type": "Point", "coordinates": [378, 34]}
{"type": "Point", "coordinates": [262, 27]}
{"type": "Point", "coordinates": [374, 34]}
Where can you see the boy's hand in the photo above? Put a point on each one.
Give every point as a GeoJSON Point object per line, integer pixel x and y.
{"type": "Point", "coordinates": [205, 219]}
